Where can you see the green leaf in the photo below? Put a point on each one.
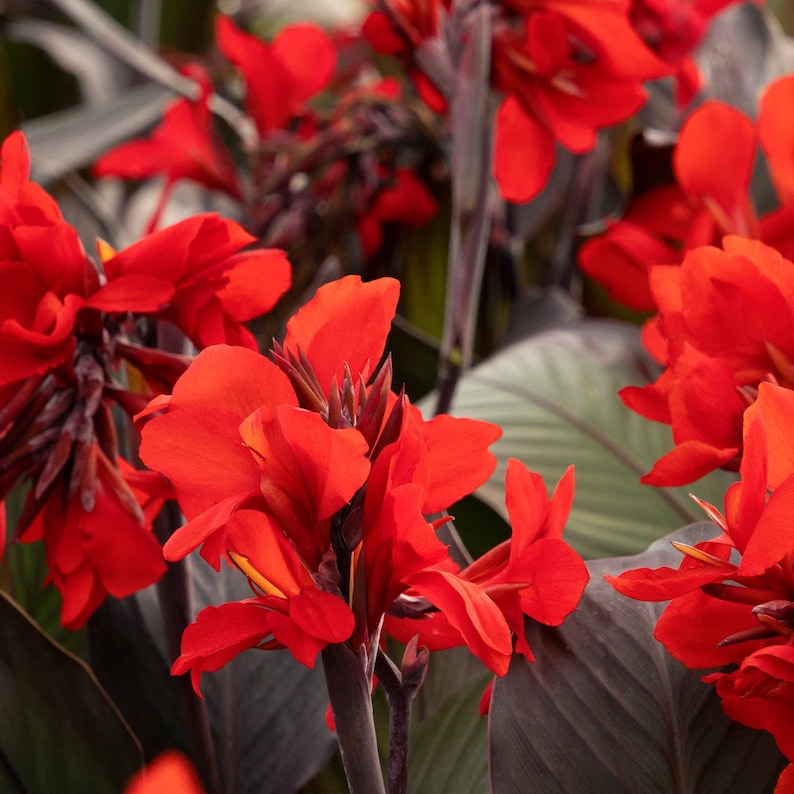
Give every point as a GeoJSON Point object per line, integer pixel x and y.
{"type": "Point", "coordinates": [449, 751]}
{"type": "Point", "coordinates": [604, 708]}
{"type": "Point", "coordinates": [59, 731]}
{"type": "Point", "coordinates": [555, 397]}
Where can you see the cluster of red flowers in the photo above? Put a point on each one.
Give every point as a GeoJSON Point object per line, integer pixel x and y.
{"type": "Point", "coordinates": [564, 69]}
{"type": "Point", "coordinates": [64, 329]}
{"type": "Point", "coordinates": [302, 157]}
{"type": "Point", "coordinates": [732, 598]}
{"type": "Point", "coordinates": [713, 163]}
{"type": "Point", "coordinates": [328, 479]}
{"type": "Point", "coordinates": [713, 367]}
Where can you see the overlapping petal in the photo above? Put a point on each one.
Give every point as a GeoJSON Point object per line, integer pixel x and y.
{"type": "Point", "coordinates": [207, 286]}
{"type": "Point", "coordinates": [322, 328]}
{"type": "Point", "coordinates": [279, 77]}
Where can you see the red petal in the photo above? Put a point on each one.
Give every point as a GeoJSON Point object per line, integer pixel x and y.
{"type": "Point", "coordinates": [620, 261]}
{"type": "Point", "coordinates": [692, 626]}
{"type": "Point", "coordinates": [323, 328]}
{"type": "Point", "coordinates": [323, 615]}
{"type": "Point", "coordinates": [689, 461]}
{"type": "Point", "coordinates": [255, 282]}
{"type": "Point", "coordinates": [460, 460]}
{"type": "Point", "coordinates": [308, 54]}
{"type": "Point", "coordinates": [169, 772]}
{"type": "Point", "coordinates": [773, 535]}
{"type": "Point", "coordinates": [218, 635]}
{"type": "Point", "coordinates": [197, 443]}
{"type": "Point", "coordinates": [661, 584]}
{"type": "Point", "coordinates": [524, 153]}
{"type": "Point", "coordinates": [138, 293]}
{"type": "Point", "coordinates": [773, 410]}
{"type": "Point", "coordinates": [15, 159]}
{"type": "Point", "coordinates": [470, 611]}
{"type": "Point", "coordinates": [558, 577]}
{"type": "Point", "coordinates": [714, 158]}
{"type": "Point", "coordinates": [774, 131]}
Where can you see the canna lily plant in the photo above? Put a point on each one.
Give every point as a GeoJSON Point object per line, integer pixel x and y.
{"type": "Point", "coordinates": [277, 472]}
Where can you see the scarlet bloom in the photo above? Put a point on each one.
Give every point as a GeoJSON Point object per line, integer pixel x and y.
{"type": "Point", "coordinates": [713, 164]}
{"type": "Point", "coordinates": [212, 286]}
{"type": "Point", "coordinates": [47, 273]}
{"type": "Point", "coordinates": [63, 329]}
{"type": "Point", "coordinates": [408, 24]}
{"type": "Point", "coordinates": [714, 366]}
{"type": "Point", "coordinates": [282, 76]}
{"type": "Point", "coordinates": [103, 543]}
{"type": "Point", "coordinates": [567, 69]}
{"type": "Point", "coordinates": [327, 477]}
{"type": "Point", "coordinates": [723, 610]}
{"type": "Point", "coordinates": [534, 574]}
{"type": "Point", "coordinates": [182, 146]}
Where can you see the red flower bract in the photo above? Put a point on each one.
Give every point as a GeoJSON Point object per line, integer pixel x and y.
{"type": "Point", "coordinates": [45, 269]}
{"type": "Point", "coordinates": [182, 146]}
{"type": "Point", "coordinates": [732, 596]}
{"type": "Point", "coordinates": [568, 69]}
{"type": "Point", "coordinates": [714, 366]}
{"type": "Point", "coordinates": [535, 573]}
{"type": "Point", "coordinates": [713, 164]}
{"type": "Point", "coordinates": [102, 544]}
{"type": "Point", "coordinates": [279, 77]}
{"type": "Point", "coordinates": [326, 478]}
{"type": "Point", "coordinates": [212, 286]}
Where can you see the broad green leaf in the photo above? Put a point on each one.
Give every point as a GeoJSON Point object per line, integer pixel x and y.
{"type": "Point", "coordinates": [555, 397]}
{"type": "Point", "coordinates": [449, 751]}
{"type": "Point", "coordinates": [59, 730]}
{"type": "Point", "coordinates": [604, 708]}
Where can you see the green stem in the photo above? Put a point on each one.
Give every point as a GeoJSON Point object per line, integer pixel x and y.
{"type": "Point", "coordinates": [351, 704]}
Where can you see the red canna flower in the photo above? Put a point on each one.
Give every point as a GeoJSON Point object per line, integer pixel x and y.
{"type": "Point", "coordinates": [725, 610]}
{"type": "Point", "coordinates": [407, 25]}
{"type": "Point", "coordinates": [328, 476]}
{"type": "Point", "coordinates": [282, 76]}
{"type": "Point", "coordinates": [86, 561]}
{"type": "Point", "coordinates": [47, 273]}
{"type": "Point", "coordinates": [534, 574]}
{"type": "Point", "coordinates": [212, 286]}
{"type": "Point", "coordinates": [182, 146]}
{"type": "Point", "coordinates": [568, 69]}
{"type": "Point", "coordinates": [714, 367]}
{"type": "Point", "coordinates": [63, 330]}
{"type": "Point", "coordinates": [713, 166]}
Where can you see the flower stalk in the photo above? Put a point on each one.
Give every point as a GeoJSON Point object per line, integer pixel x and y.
{"type": "Point", "coordinates": [351, 704]}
